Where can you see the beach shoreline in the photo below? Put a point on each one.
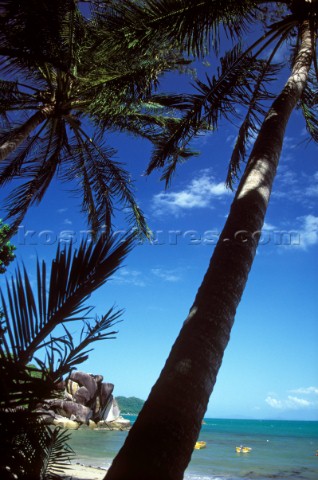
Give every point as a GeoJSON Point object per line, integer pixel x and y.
{"type": "Point", "coordinates": [78, 471]}
{"type": "Point", "coordinates": [280, 449]}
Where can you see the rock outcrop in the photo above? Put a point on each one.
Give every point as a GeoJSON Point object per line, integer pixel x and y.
{"type": "Point", "coordinates": [86, 400]}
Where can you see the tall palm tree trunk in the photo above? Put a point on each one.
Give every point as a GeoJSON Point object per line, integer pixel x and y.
{"type": "Point", "coordinates": [18, 135]}
{"type": "Point", "coordinates": [160, 444]}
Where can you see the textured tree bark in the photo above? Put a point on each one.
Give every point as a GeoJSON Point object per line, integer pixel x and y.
{"type": "Point", "coordinates": [20, 134]}
{"type": "Point", "coordinates": [160, 444]}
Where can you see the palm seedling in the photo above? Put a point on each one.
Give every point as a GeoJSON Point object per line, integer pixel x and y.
{"type": "Point", "coordinates": [37, 349]}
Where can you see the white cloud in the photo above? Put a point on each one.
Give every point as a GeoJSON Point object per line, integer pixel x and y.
{"type": "Point", "coordinates": [312, 189]}
{"type": "Point", "coordinates": [198, 194]}
{"type": "Point", "coordinates": [305, 391]}
{"type": "Point", "coordinates": [293, 402]}
{"type": "Point", "coordinates": [67, 221]}
{"type": "Point", "coordinates": [166, 275]}
{"type": "Point", "coordinates": [273, 402]}
{"type": "Point", "coordinates": [290, 403]}
{"type": "Point", "coordinates": [288, 178]}
{"type": "Point", "coordinates": [62, 210]}
{"type": "Point", "coordinates": [289, 143]}
{"type": "Point", "coordinates": [296, 402]}
{"type": "Point", "coordinates": [124, 276]}
{"type": "Point", "coordinates": [308, 232]}
{"type": "Point", "coordinates": [301, 235]}
{"type": "Point", "coordinates": [268, 227]}
{"type": "Point", "coordinates": [301, 188]}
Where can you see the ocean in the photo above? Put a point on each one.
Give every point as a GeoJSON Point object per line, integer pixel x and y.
{"type": "Point", "coordinates": [280, 450]}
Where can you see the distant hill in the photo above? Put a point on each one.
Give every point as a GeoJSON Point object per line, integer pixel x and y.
{"type": "Point", "coordinates": [130, 405]}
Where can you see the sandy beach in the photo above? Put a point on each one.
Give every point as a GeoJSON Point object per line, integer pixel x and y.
{"type": "Point", "coordinates": [82, 472]}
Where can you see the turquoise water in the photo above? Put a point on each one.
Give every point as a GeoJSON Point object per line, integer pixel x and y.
{"type": "Point", "coordinates": [280, 450]}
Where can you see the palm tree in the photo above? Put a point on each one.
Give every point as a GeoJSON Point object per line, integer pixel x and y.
{"type": "Point", "coordinates": [160, 444]}
{"type": "Point", "coordinates": [29, 448]}
{"type": "Point", "coordinates": [58, 85]}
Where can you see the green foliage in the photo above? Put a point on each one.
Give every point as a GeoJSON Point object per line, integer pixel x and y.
{"type": "Point", "coordinates": [193, 26]}
{"type": "Point", "coordinates": [6, 248]}
{"type": "Point", "coordinates": [130, 405]}
{"type": "Point", "coordinates": [33, 371]}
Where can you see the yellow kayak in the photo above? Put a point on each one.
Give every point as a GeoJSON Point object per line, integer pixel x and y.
{"type": "Point", "coordinates": [243, 449]}
{"type": "Point", "coordinates": [199, 445]}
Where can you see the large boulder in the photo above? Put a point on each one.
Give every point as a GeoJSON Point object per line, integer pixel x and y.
{"type": "Point", "coordinates": [85, 380]}
{"type": "Point", "coordinates": [69, 409]}
{"type": "Point", "coordinates": [82, 396]}
{"type": "Point", "coordinates": [65, 422]}
{"type": "Point", "coordinates": [86, 400]}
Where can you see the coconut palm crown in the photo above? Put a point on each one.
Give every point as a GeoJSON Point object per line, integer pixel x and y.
{"type": "Point", "coordinates": [60, 92]}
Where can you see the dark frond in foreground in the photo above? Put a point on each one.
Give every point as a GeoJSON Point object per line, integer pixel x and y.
{"type": "Point", "coordinates": [34, 358]}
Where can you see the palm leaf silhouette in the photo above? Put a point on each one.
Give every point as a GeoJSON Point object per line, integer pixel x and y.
{"type": "Point", "coordinates": [30, 316]}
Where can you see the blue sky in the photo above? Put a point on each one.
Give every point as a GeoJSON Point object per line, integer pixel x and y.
{"type": "Point", "coordinates": [270, 365]}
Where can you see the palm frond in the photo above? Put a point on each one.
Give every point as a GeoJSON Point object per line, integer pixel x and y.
{"type": "Point", "coordinates": [30, 317]}
{"type": "Point", "coordinates": [40, 170]}
{"type": "Point", "coordinates": [73, 33]}
{"type": "Point", "coordinates": [196, 25]}
{"type": "Point", "coordinates": [12, 97]}
{"type": "Point", "coordinates": [147, 119]}
{"type": "Point", "coordinates": [128, 78]}
{"type": "Point", "coordinates": [19, 387]}
{"type": "Point", "coordinates": [309, 106]}
{"type": "Point", "coordinates": [11, 166]}
{"type": "Point", "coordinates": [35, 31]}
{"type": "Point", "coordinates": [103, 180]}
{"type": "Point", "coordinates": [62, 355]}
{"type": "Point", "coordinates": [14, 137]}
{"type": "Point", "coordinates": [30, 449]}
{"type": "Point", "coordinates": [254, 115]}
{"type": "Point", "coordinates": [56, 453]}
{"type": "Point", "coordinates": [215, 99]}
